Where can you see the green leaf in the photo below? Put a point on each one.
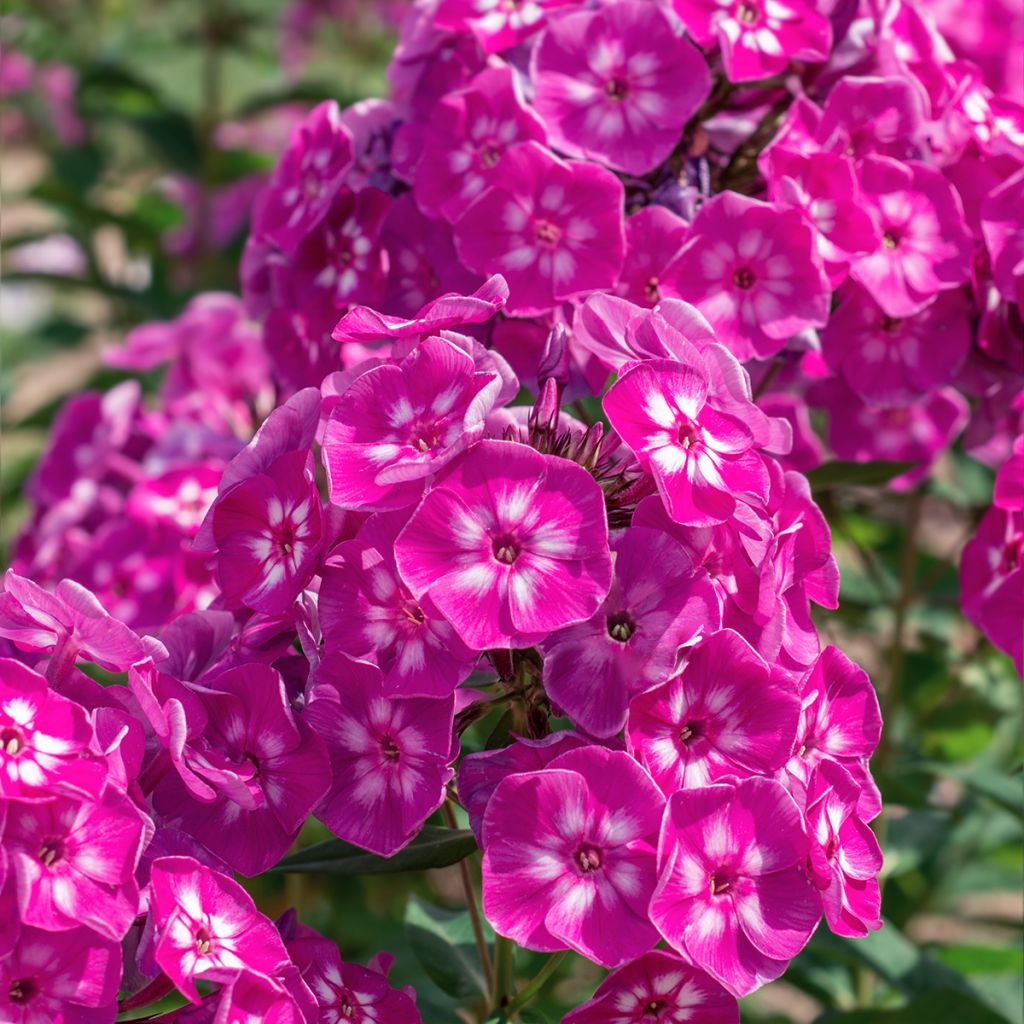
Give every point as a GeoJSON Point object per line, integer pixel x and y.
{"type": "Point", "coordinates": [444, 945]}
{"type": "Point", "coordinates": [937, 1007]}
{"type": "Point", "coordinates": [856, 474]}
{"type": "Point", "coordinates": [434, 847]}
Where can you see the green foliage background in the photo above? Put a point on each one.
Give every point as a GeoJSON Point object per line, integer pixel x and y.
{"type": "Point", "coordinates": [156, 78]}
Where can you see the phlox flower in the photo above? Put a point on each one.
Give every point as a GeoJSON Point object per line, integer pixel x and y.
{"type": "Point", "coordinates": [758, 37]}
{"type": "Point", "coordinates": [569, 856]}
{"type": "Point", "coordinates": [207, 926]}
{"type": "Point", "coordinates": [693, 439]}
{"type": "Point", "coordinates": [657, 988]}
{"type": "Point", "coordinates": [923, 245]}
{"type": "Point", "coordinates": [67, 977]}
{"type": "Point", "coordinates": [617, 85]}
{"type": "Point", "coordinates": [659, 601]}
{"type": "Point", "coordinates": [890, 360]}
{"type": "Point", "coordinates": [553, 228]}
{"type": "Point", "coordinates": [398, 424]}
{"type": "Point", "coordinates": [389, 755]}
{"type": "Point", "coordinates": [468, 134]}
{"type": "Point", "coordinates": [44, 738]}
{"type": "Point", "coordinates": [497, 24]}
{"type": "Point", "coordinates": [654, 234]}
{"type": "Point", "coordinates": [844, 855]}
{"type": "Point", "coordinates": [1002, 225]}
{"type": "Point", "coordinates": [508, 558]}
{"type": "Point", "coordinates": [726, 714]}
{"type": "Point", "coordinates": [366, 611]}
{"type": "Point", "coordinates": [753, 270]}
{"type": "Point", "coordinates": [732, 894]}
{"type": "Point", "coordinates": [73, 860]}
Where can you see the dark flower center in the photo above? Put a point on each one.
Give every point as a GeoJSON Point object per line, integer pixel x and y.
{"type": "Point", "coordinates": [588, 858]}
{"type": "Point", "coordinates": [688, 434]}
{"type": "Point", "coordinates": [747, 13]}
{"type": "Point", "coordinates": [652, 290]}
{"type": "Point", "coordinates": [547, 233]}
{"type": "Point", "coordinates": [689, 731]}
{"type": "Point", "coordinates": [22, 990]}
{"type": "Point", "coordinates": [832, 849]}
{"type": "Point", "coordinates": [506, 549]}
{"type": "Point", "coordinates": [51, 851]}
{"type": "Point", "coordinates": [490, 154]}
{"type": "Point", "coordinates": [11, 741]}
{"type": "Point", "coordinates": [621, 626]}
{"type": "Point", "coordinates": [616, 89]}
{"type": "Point", "coordinates": [285, 538]}
{"type": "Point", "coordinates": [425, 437]}
{"type": "Point", "coordinates": [891, 324]}
{"type": "Point", "coordinates": [743, 277]}
{"type": "Point", "coordinates": [414, 613]}
{"type": "Point", "coordinates": [204, 941]}
{"type": "Point", "coordinates": [654, 1007]}
{"type": "Point", "coordinates": [891, 239]}
{"type": "Point", "coordinates": [389, 748]}
{"type": "Point", "coordinates": [720, 883]}
{"type": "Point", "coordinates": [1011, 560]}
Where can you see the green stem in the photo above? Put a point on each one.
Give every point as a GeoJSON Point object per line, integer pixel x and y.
{"type": "Point", "coordinates": [469, 892]}
{"type": "Point", "coordinates": [502, 988]}
{"type": "Point", "coordinates": [539, 981]}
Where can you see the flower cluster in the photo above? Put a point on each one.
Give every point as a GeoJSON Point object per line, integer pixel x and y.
{"type": "Point", "coordinates": [392, 489]}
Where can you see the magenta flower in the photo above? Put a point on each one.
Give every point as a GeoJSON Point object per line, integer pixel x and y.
{"type": "Point", "coordinates": [654, 234]}
{"type": "Point", "coordinates": [251, 770]}
{"type": "Point", "coordinates": [468, 134]}
{"type": "Point", "coordinates": [389, 755]}
{"type": "Point", "coordinates": [307, 177]}
{"type": "Point", "coordinates": [68, 977]}
{"type": "Point", "coordinates": [44, 738]}
{"type": "Point", "coordinates": [73, 861]}
{"type": "Point", "coordinates": [758, 37]}
{"type": "Point", "coordinates": [497, 24]}
{"type": "Point", "coordinates": [890, 360]}
{"type": "Point", "coordinates": [839, 721]}
{"type": "Point", "coordinates": [397, 425]}
{"type": "Point", "coordinates": [569, 856]}
{"type": "Point", "coordinates": [727, 714]}
{"type": "Point", "coordinates": [554, 229]}
{"type": "Point", "coordinates": [617, 85]}
{"type": "Point", "coordinates": [732, 895]}
{"type": "Point", "coordinates": [657, 988]}
{"type": "Point", "coordinates": [67, 624]}
{"type": "Point", "coordinates": [694, 440]}
{"type": "Point", "coordinates": [480, 773]}
{"type": "Point", "coordinates": [367, 612]}
{"type": "Point", "coordinates": [753, 270]}
{"type": "Point", "coordinates": [511, 558]}
{"type": "Point", "coordinates": [844, 856]}
{"type": "Point", "coordinates": [923, 245]}
{"type": "Point", "coordinates": [659, 602]}
{"type": "Point", "coordinates": [207, 926]}
{"type": "Point", "coordinates": [1002, 225]}
{"type": "Point", "coordinates": [267, 529]}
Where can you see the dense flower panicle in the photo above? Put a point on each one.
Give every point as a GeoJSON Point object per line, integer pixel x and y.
{"type": "Point", "coordinates": [582, 875]}
{"type": "Point", "coordinates": [508, 560]}
{"type": "Point", "coordinates": [657, 986]}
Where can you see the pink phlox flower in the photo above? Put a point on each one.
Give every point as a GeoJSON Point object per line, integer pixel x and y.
{"type": "Point", "coordinates": [659, 603]}
{"type": "Point", "coordinates": [72, 861]}
{"type": "Point", "coordinates": [497, 24]}
{"type": "Point", "coordinates": [480, 773]}
{"type": "Point", "coordinates": [569, 856]}
{"type": "Point", "coordinates": [179, 497]}
{"type": "Point", "coordinates": [389, 755]}
{"type": "Point", "coordinates": [468, 134]}
{"type": "Point", "coordinates": [839, 721]}
{"type": "Point", "coordinates": [207, 927]}
{"type": "Point", "coordinates": [726, 714]}
{"type": "Point", "coordinates": [399, 424]}
{"type": "Point", "coordinates": [922, 244]}
{"type": "Point", "coordinates": [66, 977]}
{"type": "Point", "coordinates": [654, 234]}
{"type": "Point", "coordinates": [306, 178]}
{"type": "Point", "coordinates": [617, 84]}
{"type": "Point", "coordinates": [753, 270]}
{"type": "Point", "coordinates": [508, 559]}
{"type": "Point", "coordinates": [758, 38]}
{"type": "Point", "coordinates": [658, 986]}
{"type": "Point", "coordinates": [44, 738]}
{"type": "Point", "coordinates": [553, 228]}
{"type": "Point", "coordinates": [844, 856]}
{"type": "Point", "coordinates": [732, 894]}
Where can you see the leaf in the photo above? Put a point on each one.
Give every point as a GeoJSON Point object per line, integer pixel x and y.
{"type": "Point", "coordinates": [445, 947]}
{"type": "Point", "coordinates": [856, 474]}
{"type": "Point", "coordinates": [936, 1007]}
{"type": "Point", "coordinates": [434, 847]}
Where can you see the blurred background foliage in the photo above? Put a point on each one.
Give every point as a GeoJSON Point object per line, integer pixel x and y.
{"type": "Point", "coordinates": [135, 134]}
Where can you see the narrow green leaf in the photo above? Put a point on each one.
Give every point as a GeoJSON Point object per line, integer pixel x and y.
{"type": "Point", "coordinates": [856, 474]}
{"type": "Point", "coordinates": [445, 947]}
{"type": "Point", "coordinates": [434, 847]}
